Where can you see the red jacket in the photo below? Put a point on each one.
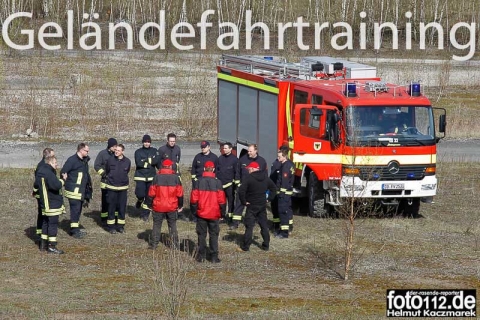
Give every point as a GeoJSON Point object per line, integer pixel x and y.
{"type": "Point", "coordinates": [208, 198]}
{"type": "Point", "coordinates": [166, 191]}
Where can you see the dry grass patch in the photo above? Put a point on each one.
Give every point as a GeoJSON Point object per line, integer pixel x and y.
{"type": "Point", "coordinates": [108, 276]}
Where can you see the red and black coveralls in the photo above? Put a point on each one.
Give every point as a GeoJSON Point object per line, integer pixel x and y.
{"type": "Point", "coordinates": [166, 192]}
{"type": "Point", "coordinates": [207, 201]}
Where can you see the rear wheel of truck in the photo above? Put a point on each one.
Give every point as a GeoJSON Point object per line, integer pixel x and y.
{"type": "Point", "coordinates": [316, 199]}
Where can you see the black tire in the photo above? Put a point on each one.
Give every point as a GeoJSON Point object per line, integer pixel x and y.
{"type": "Point", "coordinates": [410, 210]}
{"type": "Point", "coordinates": [316, 198]}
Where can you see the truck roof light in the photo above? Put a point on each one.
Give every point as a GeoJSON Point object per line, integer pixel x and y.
{"type": "Point", "coordinates": [414, 89]}
{"type": "Point", "coordinates": [350, 89]}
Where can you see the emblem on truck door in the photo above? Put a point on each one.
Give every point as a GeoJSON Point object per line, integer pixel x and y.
{"type": "Point", "coordinates": [317, 146]}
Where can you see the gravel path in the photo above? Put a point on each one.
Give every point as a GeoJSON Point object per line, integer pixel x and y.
{"type": "Point", "coordinates": [26, 154]}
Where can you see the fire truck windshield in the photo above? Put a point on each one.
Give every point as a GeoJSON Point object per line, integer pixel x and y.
{"type": "Point", "coordinates": [390, 125]}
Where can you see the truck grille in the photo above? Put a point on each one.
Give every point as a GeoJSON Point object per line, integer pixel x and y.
{"type": "Point", "coordinates": [370, 173]}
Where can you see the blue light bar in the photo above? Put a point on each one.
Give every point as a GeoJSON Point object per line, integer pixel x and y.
{"type": "Point", "coordinates": [351, 90]}
{"type": "Point", "coordinates": [410, 175]}
{"type": "Point", "coordinates": [414, 89]}
{"type": "Point", "coordinates": [268, 58]}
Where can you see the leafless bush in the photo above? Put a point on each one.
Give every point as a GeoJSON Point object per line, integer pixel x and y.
{"type": "Point", "coordinates": [170, 281]}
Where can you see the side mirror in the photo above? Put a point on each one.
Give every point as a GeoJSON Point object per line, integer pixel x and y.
{"type": "Point", "coordinates": [442, 123]}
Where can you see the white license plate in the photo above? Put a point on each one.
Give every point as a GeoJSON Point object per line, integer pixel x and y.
{"type": "Point", "coordinates": [393, 186]}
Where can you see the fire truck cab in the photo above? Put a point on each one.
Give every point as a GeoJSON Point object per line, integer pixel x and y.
{"type": "Point", "coordinates": [349, 133]}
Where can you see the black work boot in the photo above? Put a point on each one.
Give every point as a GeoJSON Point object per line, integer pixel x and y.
{"type": "Point", "coordinates": [215, 259]}
{"type": "Point", "coordinates": [43, 245]}
{"type": "Point", "coordinates": [53, 249]}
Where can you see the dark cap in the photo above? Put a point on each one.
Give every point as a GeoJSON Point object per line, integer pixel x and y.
{"type": "Point", "coordinates": [204, 144]}
{"type": "Point", "coordinates": [167, 163]}
{"type": "Point", "coordinates": [209, 164]}
{"type": "Point", "coordinates": [146, 138]}
{"type": "Point", "coordinates": [111, 142]}
{"type": "Point", "coordinates": [253, 165]}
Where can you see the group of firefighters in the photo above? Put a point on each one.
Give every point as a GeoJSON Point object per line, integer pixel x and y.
{"type": "Point", "coordinates": [216, 182]}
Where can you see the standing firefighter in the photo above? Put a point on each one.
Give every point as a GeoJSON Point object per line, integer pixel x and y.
{"type": "Point", "coordinates": [252, 195]}
{"type": "Point", "coordinates": [46, 153]}
{"type": "Point", "coordinates": [284, 195]}
{"type": "Point", "coordinates": [51, 201]}
{"type": "Point", "coordinates": [166, 192]}
{"type": "Point", "coordinates": [226, 170]}
{"type": "Point", "coordinates": [99, 166]}
{"type": "Point", "coordinates": [145, 162]}
{"type": "Point", "coordinates": [170, 151]}
{"type": "Point", "coordinates": [274, 173]}
{"type": "Point", "coordinates": [117, 169]}
{"type": "Point", "coordinates": [207, 202]}
{"type": "Point", "coordinates": [78, 187]}
{"type": "Point", "coordinates": [243, 162]}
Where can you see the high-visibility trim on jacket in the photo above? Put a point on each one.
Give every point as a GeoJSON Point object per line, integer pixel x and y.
{"type": "Point", "coordinates": [145, 161]}
{"type": "Point", "coordinates": [142, 179]}
{"type": "Point", "coordinates": [99, 165]}
{"type": "Point", "coordinates": [198, 163]}
{"type": "Point", "coordinates": [78, 178]}
{"type": "Point", "coordinates": [167, 152]}
{"type": "Point", "coordinates": [226, 169]}
{"type": "Point", "coordinates": [285, 178]}
{"type": "Point", "coordinates": [207, 197]}
{"type": "Point", "coordinates": [166, 191]}
{"type": "Point", "coordinates": [50, 191]}
{"type": "Point", "coordinates": [117, 173]}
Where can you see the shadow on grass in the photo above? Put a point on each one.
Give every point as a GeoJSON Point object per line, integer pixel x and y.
{"type": "Point", "coordinates": [327, 261]}
{"type": "Point", "coordinates": [95, 216]}
{"type": "Point", "coordinates": [31, 233]}
{"type": "Point", "coordinates": [186, 245]}
{"type": "Point", "coordinates": [65, 225]}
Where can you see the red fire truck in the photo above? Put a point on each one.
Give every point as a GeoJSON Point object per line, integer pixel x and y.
{"type": "Point", "coordinates": [349, 133]}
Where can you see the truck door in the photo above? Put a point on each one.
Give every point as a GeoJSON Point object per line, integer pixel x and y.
{"type": "Point", "coordinates": [317, 140]}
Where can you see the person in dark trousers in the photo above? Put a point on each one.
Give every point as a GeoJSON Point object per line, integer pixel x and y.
{"type": "Point", "coordinates": [46, 153]}
{"type": "Point", "coordinates": [284, 194]}
{"type": "Point", "coordinates": [170, 151]}
{"type": "Point", "coordinates": [243, 162]}
{"type": "Point", "coordinates": [166, 193]}
{"type": "Point", "coordinates": [252, 194]}
{"type": "Point", "coordinates": [117, 169]}
{"type": "Point", "coordinates": [99, 166]}
{"type": "Point", "coordinates": [199, 161]}
{"type": "Point", "coordinates": [226, 169]}
{"type": "Point", "coordinates": [78, 187]}
{"type": "Point", "coordinates": [274, 172]}
{"type": "Point", "coordinates": [51, 202]}
{"type": "Point", "coordinates": [146, 160]}
{"type": "Point", "coordinates": [207, 202]}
